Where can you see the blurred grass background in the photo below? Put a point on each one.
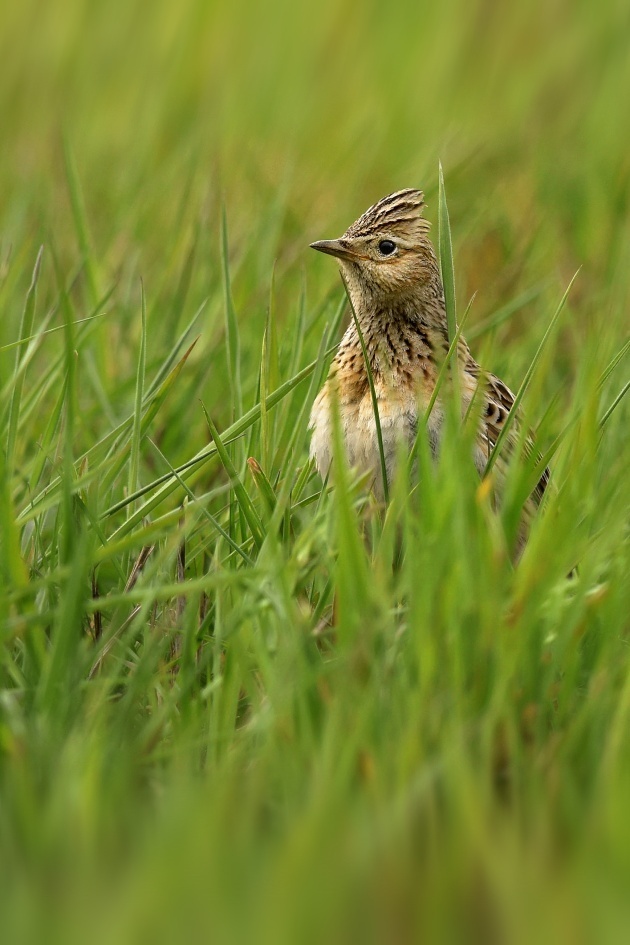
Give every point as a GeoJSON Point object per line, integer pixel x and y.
{"type": "Point", "coordinates": [186, 749]}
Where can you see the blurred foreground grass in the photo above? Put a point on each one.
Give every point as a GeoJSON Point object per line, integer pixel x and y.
{"type": "Point", "coordinates": [187, 749]}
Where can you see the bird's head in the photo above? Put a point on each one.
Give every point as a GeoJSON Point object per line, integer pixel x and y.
{"type": "Point", "coordinates": [387, 252]}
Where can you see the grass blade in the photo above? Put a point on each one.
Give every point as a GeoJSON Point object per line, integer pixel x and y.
{"type": "Point", "coordinates": [231, 326]}
{"type": "Point", "coordinates": [263, 485]}
{"type": "Point", "coordinates": [617, 359]}
{"type": "Point", "coordinates": [377, 419]}
{"type": "Point", "coordinates": [511, 417]}
{"type": "Point", "coordinates": [170, 360]}
{"type": "Point", "coordinates": [299, 329]}
{"type": "Point", "coordinates": [136, 433]}
{"type": "Point", "coordinates": [505, 312]}
{"type": "Point", "coordinates": [80, 220]}
{"type": "Point", "coordinates": [606, 417]}
{"type": "Point", "coordinates": [446, 258]}
{"type": "Point", "coordinates": [48, 331]}
{"type": "Point", "coordinates": [204, 511]}
{"type": "Point", "coordinates": [242, 496]}
{"type": "Point", "coordinates": [26, 326]}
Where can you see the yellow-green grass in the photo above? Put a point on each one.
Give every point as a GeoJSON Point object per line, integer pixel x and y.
{"type": "Point", "coordinates": [188, 749]}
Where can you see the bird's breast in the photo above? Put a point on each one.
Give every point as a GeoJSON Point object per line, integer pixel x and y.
{"type": "Point", "coordinates": [399, 396]}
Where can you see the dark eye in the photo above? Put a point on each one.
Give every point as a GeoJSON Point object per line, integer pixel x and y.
{"type": "Point", "coordinates": [386, 247]}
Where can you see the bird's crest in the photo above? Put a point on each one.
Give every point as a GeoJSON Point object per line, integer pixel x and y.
{"type": "Point", "coordinates": [399, 214]}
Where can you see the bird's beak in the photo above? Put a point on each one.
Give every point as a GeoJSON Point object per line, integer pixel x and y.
{"type": "Point", "coordinates": [334, 248]}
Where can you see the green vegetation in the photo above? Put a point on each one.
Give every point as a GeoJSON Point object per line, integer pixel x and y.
{"type": "Point", "coordinates": [191, 746]}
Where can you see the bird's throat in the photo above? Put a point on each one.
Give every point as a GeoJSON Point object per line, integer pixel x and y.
{"type": "Point", "coordinates": [396, 335]}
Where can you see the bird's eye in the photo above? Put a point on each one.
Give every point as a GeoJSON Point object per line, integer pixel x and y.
{"type": "Point", "coordinates": [386, 247]}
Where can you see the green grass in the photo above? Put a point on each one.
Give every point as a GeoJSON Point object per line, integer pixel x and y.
{"type": "Point", "coordinates": [235, 705]}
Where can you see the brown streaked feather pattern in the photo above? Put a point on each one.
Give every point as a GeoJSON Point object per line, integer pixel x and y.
{"type": "Point", "coordinates": [401, 211]}
{"type": "Point", "coordinates": [499, 404]}
{"type": "Point", "coordinates": [398, 299]}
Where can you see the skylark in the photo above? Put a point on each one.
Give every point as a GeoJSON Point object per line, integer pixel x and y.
{"type": "Point", "coordinates": [392, 277]}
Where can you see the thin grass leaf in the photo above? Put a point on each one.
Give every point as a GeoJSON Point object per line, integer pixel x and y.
{"type": "Point", "coordinates": [607, 415]}
{"type": "Point", "coordinates": [243, 578]}
{"type": "Point", "coordinates": [447, 360]}
{"type": "Point", "coordinates": [511, 417]}
{"type": "Point", "coordinates": [68, 539]}
{"type": "Point", "coordinates": [353, 578]}
{"type": "Point", "coordinates": [183, 286]}
{"type": "Point", "coordinates": [148, 531]}
{"type": "Point", "coordinates": [136, 433]}
{"type": "Point", "coordinates": [13, 571]}
{"type": "Point", "coordinates": [263, 485]}
{"type": "Point", "coordinates": [26, 325]}
{"type": "Point", "coordinates": [117, 457]}
{"type": "Point", "coordinates": [45, 446]}
{"type": "Point", "coordinates": [547, 456]}
{"type": "Point", "coordinates": [171, 358]}
{"type": "Point", "coordinates": [55, 370]}
{"type": "Point", "coordinates": [55, 691]}
{"type": "Point", "coordinates": [304, 474]}
{"type": "Point", "coordinates": [506, 311]}
{"type": "Point", "coordinates": [92, 374]}
{"type": "Point", "coordinates": [84, 507]}
{"type": "Point", "coordinates": [49, 331]}
{"type": "Point", "coordinates": [204, 511]}
{"type": "Point", "coordinates": [80, 219]}
{"type": "Point", "coordinates": [447, 270]}
{"type": "Point", "coordinates": [151, 405]}
{"type": "Point", "coordinates": [299, 328]}
{"type": "Point", "coordinates": [245, 503]}
{"type": "Point", "coordinates": [297, 425]}
{"type": "Point", "coordinates": [617, 359]}
{"type": "Point", "coordinates": [264, 391]}
{"type": "Point", "coordinates": [314, 321]}
{"type": "Point", "coordinates": [231, 326]}
{"type": "Point", "coordinates": [33, 345]}
{"type": "Point", "coordinates": [269, 375]}
{"type": "Point", "coordinates": [377, 419]}
{"type": "Point", "coordinates": [272, 365]}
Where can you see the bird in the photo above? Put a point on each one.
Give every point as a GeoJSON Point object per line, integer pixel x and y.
{"type": "Point", "coordinates": [392, 277]}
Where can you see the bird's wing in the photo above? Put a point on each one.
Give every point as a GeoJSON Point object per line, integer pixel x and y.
{"type": "Point", "coordinates": [498, 402]}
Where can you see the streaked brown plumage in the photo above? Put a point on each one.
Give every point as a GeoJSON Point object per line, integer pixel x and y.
{"type": "Point", "coordinates": [391, 274]}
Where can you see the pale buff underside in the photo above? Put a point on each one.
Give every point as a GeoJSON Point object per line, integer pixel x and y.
{"type": "Point", "coordinates": [400, 404]}
{"type": "Point", "coordinates": [398, 412]}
